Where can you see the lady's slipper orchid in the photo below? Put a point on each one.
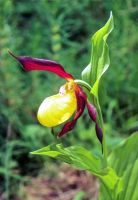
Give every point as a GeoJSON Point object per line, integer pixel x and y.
{"type": "Point", "coordinates": [58, 108]}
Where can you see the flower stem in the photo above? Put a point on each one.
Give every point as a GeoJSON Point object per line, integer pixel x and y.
{"type": "Point", "coordinates": [84, 84]}
{"type": "Point", "coordinates": [95, 101]}
{"type": "Point", "coordinates": [100, 121]}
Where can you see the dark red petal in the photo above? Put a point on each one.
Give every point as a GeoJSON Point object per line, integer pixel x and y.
{"type": "Point", "coordinates": [29, 64]}
{"type": "Point", "coordinates": [81, 102]}
{"type": "Point", "coordinates": [91, 111]}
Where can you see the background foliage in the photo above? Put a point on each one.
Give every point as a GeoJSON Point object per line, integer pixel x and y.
{"type": "Point", "coordinates": [61, 30]}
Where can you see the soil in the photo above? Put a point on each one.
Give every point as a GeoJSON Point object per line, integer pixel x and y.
{"type": "Point", "coordinates": [68, 184]}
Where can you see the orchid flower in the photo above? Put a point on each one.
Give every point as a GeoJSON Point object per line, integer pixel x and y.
{"type": "Point", "coordinates": [59, 108]}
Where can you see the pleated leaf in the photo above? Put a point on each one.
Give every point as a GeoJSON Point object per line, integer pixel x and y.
{"type": "Point", "coordinates": [74, 155]}
{"type": "Point", "coordinates": [82, 159]}
{"type": "Point", "coordinates": [124, 160]}
{"type": "Point", "coordinates": [100, 56]}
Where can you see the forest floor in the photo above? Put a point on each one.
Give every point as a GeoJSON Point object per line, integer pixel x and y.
{"type": "Point", "coordinates": [68, 184]}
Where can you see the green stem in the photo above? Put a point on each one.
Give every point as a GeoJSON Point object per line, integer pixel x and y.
{"type": "Point", "coordinates": [100, 120]}
{"type": "Point", "coordinates": [95, 100]}
{"type": "Point", "coordinates": [84, 84]}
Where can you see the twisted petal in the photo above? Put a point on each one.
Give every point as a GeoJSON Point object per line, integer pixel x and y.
{"type": "Point", "coordinates": [91, 111]}
{"type": "Point", "coordinates": [92, 114]}
{"type": "Point", "coordinates": [99, 134]}
{"type": "Point", "coordinates": [29, 63]}
{"type": "Point", "coordinates": [57, 109]}
{"type": "Point", "coordinates": [81, 102]}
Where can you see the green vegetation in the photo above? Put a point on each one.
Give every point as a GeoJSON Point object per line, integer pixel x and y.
{"type": "Point", "coordinates": [61, 31]}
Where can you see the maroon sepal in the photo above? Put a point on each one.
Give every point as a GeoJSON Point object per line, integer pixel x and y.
{"type": "Point", "coordinates": [29, 63]}
{"type": "Point", "coordinates": [81, 102]}
{"type": "Point", "coordinates": [99, 133]}
{"type": "Point", "coordinates": [91, 111]}
{"type": "Point", "coordinates": [92, 114]}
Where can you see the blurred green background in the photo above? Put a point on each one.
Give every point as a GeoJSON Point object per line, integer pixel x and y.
{"type": "Point", "coordinates": [61, 30]}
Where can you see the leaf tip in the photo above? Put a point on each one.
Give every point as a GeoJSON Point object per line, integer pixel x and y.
{"type": "Point", "coordinates": [33, 152]}
{"type": "Point", "coordinates": [111, 19]}
{"type": "Point", "coordinates": [111, 14]}
{"type": "Point", "coordinates": [12, 54]}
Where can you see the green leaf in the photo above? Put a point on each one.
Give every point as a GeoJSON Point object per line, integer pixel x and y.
{"type": "Point", "coordinates": [125, 154]}
{"type": "Point", "coordinates": [110, 179]}
{"type": "Point", "coordinates": [111, 184]}
{"type": "Point", "coordinates": [74, 155]}
{"type": "Point", "coordinates": [100, 57]}
{"type": "Point", "coordinates": [83, 159]}
{"type": "Point", "coordinates": [124, 160]}
{"type": "Point", "coordinates": [130, 179]}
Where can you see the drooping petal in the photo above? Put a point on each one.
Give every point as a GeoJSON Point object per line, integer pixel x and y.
{"type": "Point", "coordinates": [29, 63]}
{"type": "Point", "coordinates": [81, 102]}
{"type": "Point", "coordinates": [57, 109]}
{"type": "Point", "coordinates": [91, 111]}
